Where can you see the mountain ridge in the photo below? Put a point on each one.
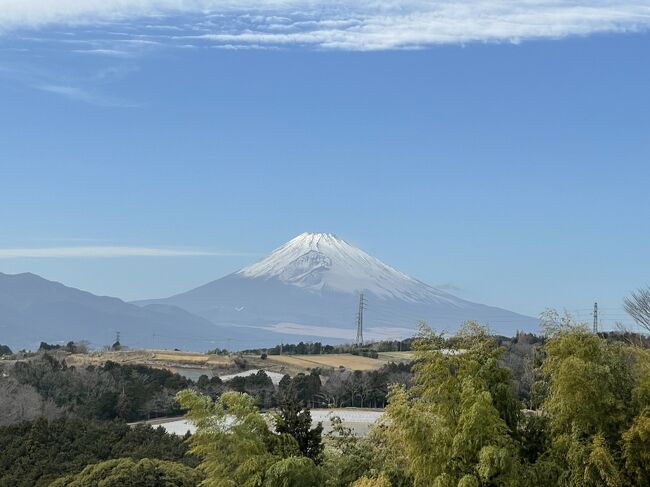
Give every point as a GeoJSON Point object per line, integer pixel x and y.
{"type": "Point", "coordinates": [313, 281]}
{"type": "Point", "coordinates": [35, 309]}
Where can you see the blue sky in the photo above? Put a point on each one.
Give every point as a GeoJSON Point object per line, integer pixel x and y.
{"type": "Point", "coordinates": [505, 159]}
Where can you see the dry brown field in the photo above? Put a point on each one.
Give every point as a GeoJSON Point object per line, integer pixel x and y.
{"type": "Point", "coordinates": [221, 364]}
{"type": "Point", "coordinates": [150, 357]}
{"type": "Point", "coordinates": [337, 360]}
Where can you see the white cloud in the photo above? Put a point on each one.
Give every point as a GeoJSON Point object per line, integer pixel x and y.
{"type": "Point", "coordinates": [335, 24]}
{"type": "Point", "coordinates": [105, 251]}
{"type": "Point", "coordinates": [79, 94]}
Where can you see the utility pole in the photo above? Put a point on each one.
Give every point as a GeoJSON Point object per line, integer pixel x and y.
{"type": "Point", "coordinates": [362, 306]}
{"type": "Point", "coordinates": [595, 317]}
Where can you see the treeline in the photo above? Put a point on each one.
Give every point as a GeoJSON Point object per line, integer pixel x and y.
{"type": "Point", "coordinates": [317, 348]}
{"type": "Point", "coordinates": [344, 388]}
{"type": "Point", "coordinates": [318, 388]}
{"type": "Point", "coordinates": [70, 347]}
{"type": "Point", "coordinates": [109, 391]}
{"type": "Point", "coordinates": [36, 453]}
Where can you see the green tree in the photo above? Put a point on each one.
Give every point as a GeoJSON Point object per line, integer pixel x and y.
{"type": "Point", "coordinates": [237, 446]}
{"type": "Point", "coordinates": [296, 421]}
{"type": "Point", "coordinates": [589, 405]}
{"type": "Point", "coordinates": [125, 472]}
{"type": "Point", "coordinates": [123, 406]}
{"type": "Point", "coordinates": [34, 454]}
{"type": "Point", "coordinates": [381, 481]}
{"type": "Point", "coordinates": [293, 472]}
{"type": "Point", "coordinates": [636, 450]}
{"type": "Point", "coordinates": [457, 424]}
{"type": "Point", "coordinates": [347, 457]}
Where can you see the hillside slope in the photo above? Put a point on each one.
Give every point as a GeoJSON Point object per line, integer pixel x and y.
{"type": "Point", "coordinates": [309, 288]}
{"type": "Point", "coordinates": [34, 309]}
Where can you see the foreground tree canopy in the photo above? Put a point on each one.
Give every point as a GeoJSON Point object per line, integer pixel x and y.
{"type": "Point", "coordinates": [126, 472]}
{"type": "Point", "coordinates": [35, 454]}
{"type": "Point", "coordinates": [459, 425]}
{"type": "Point", "coordinates": [239, 448]}
{"type": "Point", "coordinates": [462, 426]}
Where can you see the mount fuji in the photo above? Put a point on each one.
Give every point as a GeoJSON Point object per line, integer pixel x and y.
{"type": "Point", "coordinates": [308, 289]}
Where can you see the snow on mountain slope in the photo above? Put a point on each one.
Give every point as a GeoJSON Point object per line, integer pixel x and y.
{"type": "Point", "coordinates": [322, 261]}
{"type": "Point", "coordinates": [309, 289]}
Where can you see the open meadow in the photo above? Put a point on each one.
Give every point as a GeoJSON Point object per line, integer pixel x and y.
{"type": "Point", "coordinates": [194, 364]}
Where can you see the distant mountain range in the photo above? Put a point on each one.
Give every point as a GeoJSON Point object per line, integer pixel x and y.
{"type": "Point", "coordinates": [308, 290]}
{"type": "Point", "coordinates": [33, 309]}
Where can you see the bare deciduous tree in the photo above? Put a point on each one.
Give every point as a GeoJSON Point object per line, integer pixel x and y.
{"type": "Point", "coordinates": [23, 403]}
{"type": "Point", "coordinates": [638, 307]}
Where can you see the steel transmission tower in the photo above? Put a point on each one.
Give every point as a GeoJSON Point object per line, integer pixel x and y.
{"type": "Point", "coordinates": [362, 306]}
{"type": "Point", "coordinates": [595, 317]}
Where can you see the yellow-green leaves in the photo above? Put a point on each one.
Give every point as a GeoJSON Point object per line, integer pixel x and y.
{"type": "Point", "coordinates": [636, 450]}
{"type": "Point", "coordinates": [237, 447]}
{"type": "Point", "coordinates": [448, 425]}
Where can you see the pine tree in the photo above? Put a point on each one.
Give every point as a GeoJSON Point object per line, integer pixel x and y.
{"type": "Point", "coordinates": [296, 421]}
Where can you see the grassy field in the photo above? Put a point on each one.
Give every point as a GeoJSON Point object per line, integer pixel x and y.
{"type": "Point", "coordinates": [151, 357]}
{"type": "Point", "coordinates": [337, 360]}
{"type": "Point", "coordinates": [178, 361]}
{"type": "Point", "coordinates": [396, 356]}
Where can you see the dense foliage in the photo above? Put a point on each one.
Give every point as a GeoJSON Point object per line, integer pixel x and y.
{"type": "Point", "coordinates": [36, 453]}
{"type": "Point", "coordinates": [344, 388]}
{"type": "Point", "coordinates": [126, 472]}
{"type": "Point", "coordinates": [296, 422]}
{"type": "Point", "coordinates": [109, 391]}
{"type": "Point", "coordinates": [462, 423]}
{"type": "Point", "coordinates": [238, 447]}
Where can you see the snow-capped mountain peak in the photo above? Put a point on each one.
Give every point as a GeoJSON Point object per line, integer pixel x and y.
{"type": "Point", "coordinates": [322, 261]}
{"type": "Point", "coordinates": [307, 289]}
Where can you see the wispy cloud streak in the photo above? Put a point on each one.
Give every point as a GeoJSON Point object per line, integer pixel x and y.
{"type": "Point", "coordinates": [87, 44]}
{"type": "Point", "coordinates": [107, 251]}
{"type": "Point", "coordinates": [79, 94]}
{"type": "Point", "coordinates": [328, 24]}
